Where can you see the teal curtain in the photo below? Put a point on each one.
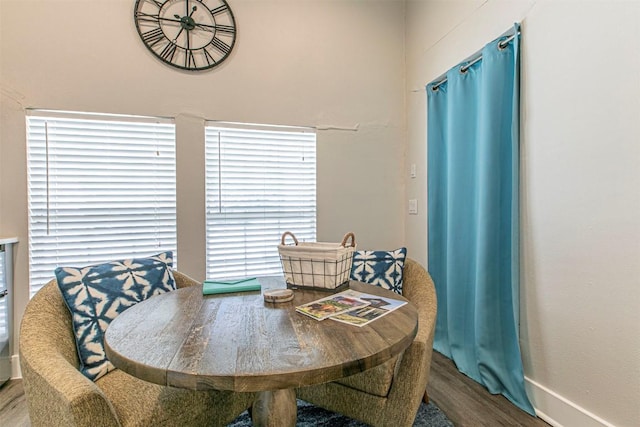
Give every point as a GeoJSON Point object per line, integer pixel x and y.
{"type": "Point", "coordinates": [473, 217]}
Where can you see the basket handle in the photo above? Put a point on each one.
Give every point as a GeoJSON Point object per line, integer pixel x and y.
{"type": "Point", "coordinates": [288, 233]}
{"type": "Point", "coordinates": [346, 237]}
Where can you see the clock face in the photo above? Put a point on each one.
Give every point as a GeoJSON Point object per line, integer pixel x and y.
{"type": "Point", "coordinates": [187, 34]}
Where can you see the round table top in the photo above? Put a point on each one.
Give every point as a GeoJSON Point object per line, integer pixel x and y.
{"type": "Point", "coordinates": [240, 342]}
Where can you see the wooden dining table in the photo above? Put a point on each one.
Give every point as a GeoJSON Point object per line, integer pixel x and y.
{"type": "Point", "coordinates": [239, 342]}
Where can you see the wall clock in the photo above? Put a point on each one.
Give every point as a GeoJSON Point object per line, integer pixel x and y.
{"type": "Point", "coordinates": [187, 34]}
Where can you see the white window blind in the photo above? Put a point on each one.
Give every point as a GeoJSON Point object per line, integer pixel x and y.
{"type": "Point", "coordinates": [101, 188]}
{"type": "Point", "coordinates": [260, 182]}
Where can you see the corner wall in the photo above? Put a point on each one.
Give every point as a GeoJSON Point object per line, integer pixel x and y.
{"type": "Point", "coordinates": [580, 175]}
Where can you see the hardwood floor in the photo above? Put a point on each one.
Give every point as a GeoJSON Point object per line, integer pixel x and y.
{"type": "Point", "coordinates": [13, 405]}
{"type": "Point", "coordinates": [465, 402]}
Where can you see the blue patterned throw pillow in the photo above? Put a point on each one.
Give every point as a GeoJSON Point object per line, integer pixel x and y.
{"type": "Point", "coordinates": [381, 268]}
{"type": "Point", "coordinates": [96, 294]}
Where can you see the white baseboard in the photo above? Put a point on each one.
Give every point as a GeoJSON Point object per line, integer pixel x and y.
{"type": "Point", "coordinates": [559, 411]}
{"type": "Point", "coordinates": [15, 367]}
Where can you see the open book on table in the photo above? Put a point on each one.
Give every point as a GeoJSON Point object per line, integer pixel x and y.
{"type": "Point", "coordinates": [352, 307]}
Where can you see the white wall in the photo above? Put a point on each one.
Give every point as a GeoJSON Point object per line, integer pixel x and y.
{"type": "Point", "coordinates": [295, 62]}
{"type": "Point", "coordinates": [580, 305]}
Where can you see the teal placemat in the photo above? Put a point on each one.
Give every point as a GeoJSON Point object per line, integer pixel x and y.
{"type": "Point", "coordinates": [210, 287]}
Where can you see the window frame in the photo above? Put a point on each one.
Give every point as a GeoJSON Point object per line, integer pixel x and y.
{"type": "Point", "coordinates": [260, 257]}
{"type": "Point", "coordinates": [160, 172]}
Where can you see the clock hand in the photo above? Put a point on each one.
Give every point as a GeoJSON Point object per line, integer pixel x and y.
{"type": "Point", "coordinates": [154, 18]}
{"type": "Point", "coordinates": [187, 23]}
{"type": "Point", "coordinates": [217, 28]}
{"type": "Point", "coordinates": [210, 28]}
{"type": "Point", "coordinates": [187, 19]}
{"type": "Point", "coordinates": [188, 51]}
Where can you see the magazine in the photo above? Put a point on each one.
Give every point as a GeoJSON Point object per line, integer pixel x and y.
{"type": "Point", "coordinates": [352, 307]}
{"type": "Point", "coordinates": [378, 306]}
{"type": "Point", "coordinates": [331, 305]}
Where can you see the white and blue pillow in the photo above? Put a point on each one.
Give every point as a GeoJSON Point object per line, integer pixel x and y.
{"type": "Point", "coordinates": [96, 294]}
{"type": "Point", "coordinates": [381, 268]}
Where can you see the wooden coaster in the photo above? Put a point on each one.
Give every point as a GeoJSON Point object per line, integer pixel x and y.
{"type": "Point", "coordinates": [277, 295]}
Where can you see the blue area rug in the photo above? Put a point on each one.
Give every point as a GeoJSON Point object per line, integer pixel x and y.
{"type": "Point", "coordinates": [312, 416]}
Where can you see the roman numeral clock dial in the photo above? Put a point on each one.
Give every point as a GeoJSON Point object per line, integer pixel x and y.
{"type": "Point", "coordinates": [187, 34]}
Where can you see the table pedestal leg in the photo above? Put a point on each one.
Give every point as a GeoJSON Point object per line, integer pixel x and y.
{"type": "Point", "coordinates": [275, 408]}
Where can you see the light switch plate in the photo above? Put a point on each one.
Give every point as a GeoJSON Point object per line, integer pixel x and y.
{"type": "Point", "coordinates": [413, 170]}
{"type": "Point", "coordinates": [413, 206]}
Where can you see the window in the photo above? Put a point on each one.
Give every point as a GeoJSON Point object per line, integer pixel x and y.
{"type": "Point", "coordinates": [101, 187]}
{"type": "Point", "coordinates": [260, 182]}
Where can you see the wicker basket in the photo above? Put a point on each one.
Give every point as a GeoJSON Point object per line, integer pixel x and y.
{"type": "Point", "coordinates": [316, 265]}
